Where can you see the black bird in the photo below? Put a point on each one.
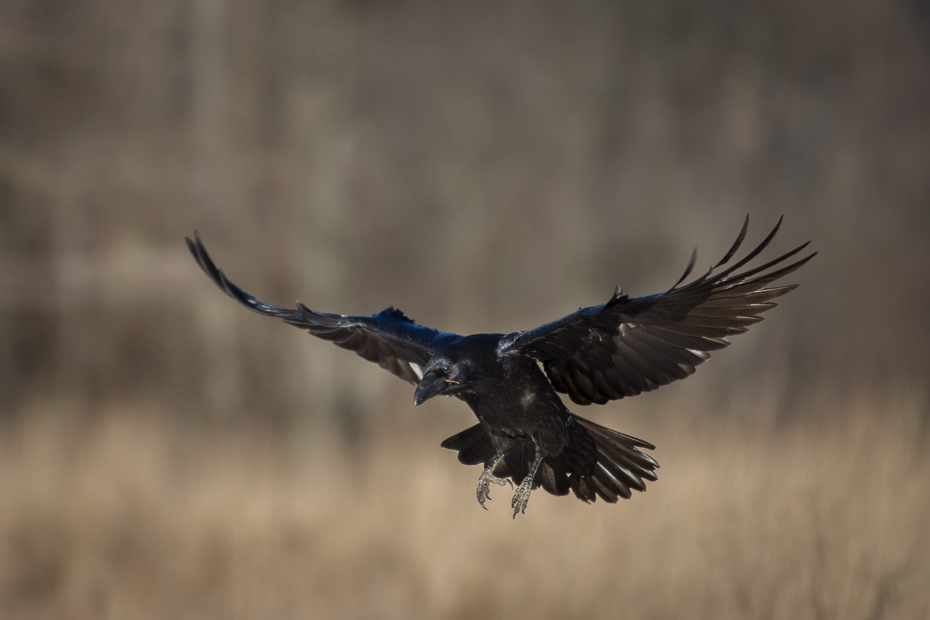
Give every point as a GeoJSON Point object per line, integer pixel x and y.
{"type": "Point", "coordinates": [620, 348]}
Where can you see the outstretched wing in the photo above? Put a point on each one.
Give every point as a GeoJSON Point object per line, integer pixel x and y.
{"type": "Point", "coordinates": [388, 338]}
{"type": "Point", "coordinates": [628, 346]}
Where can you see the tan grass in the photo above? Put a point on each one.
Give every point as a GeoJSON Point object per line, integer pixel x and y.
{"type": "Point", "coordinates": [129, 518]}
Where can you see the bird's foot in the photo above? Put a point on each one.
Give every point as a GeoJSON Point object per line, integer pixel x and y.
{"type": "Point", "coordinates": [484, 481]}
{"type": "Point", "coordinates": [522, 496]}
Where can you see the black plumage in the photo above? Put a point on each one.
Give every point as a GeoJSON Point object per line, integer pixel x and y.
{"type": "Point", "coordinates": [620, 348]}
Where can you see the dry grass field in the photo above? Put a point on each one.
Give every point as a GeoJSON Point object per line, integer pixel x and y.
{"type": "Point", "coordinates": [485, 167]}
{"type": "Point", "coordinates": [132, 517]}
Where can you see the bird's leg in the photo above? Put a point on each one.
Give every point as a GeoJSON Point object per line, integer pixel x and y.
{"type": "Point", "coordinates": [487, 476]}
{"type": "Point", "coordinates": [522, 496]}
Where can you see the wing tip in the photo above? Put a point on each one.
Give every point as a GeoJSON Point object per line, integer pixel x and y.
{"type": "Point", "coordinates": [688, 269]}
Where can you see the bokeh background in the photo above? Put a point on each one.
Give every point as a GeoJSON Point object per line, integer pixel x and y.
{"type": "Point", "coordinates": [484, 166]}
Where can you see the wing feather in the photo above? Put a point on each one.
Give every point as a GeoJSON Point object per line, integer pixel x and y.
{"type": "Point", "coordinates": [388, 338]}
{"type": "Point", "coordinates": [628, 346]}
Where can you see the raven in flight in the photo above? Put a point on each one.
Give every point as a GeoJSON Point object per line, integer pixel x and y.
{"type": "Point", "coordinates": [620, 348]}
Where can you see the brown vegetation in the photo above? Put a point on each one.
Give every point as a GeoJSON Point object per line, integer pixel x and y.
{"type": "Point", "coordinates": [133, 518]}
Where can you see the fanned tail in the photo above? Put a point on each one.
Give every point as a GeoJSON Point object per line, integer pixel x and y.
{"type": "Point", "coordinates": [598, 461]}
{"type": "Point", "coordinates": [620, 466]}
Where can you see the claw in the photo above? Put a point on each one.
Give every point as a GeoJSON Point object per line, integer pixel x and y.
{"type": "Point", "coordinates": [522, 497]}
{"type": "Point", "coordinates": [484, 492]}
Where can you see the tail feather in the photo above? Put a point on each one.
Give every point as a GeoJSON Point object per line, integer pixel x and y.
{"type": "Point", "coordinates": [583, 488]}
{"type": "Point", "coordinates": [519, 461]}
{"type": "Point", "coordinates": [598, 461]}
{"type": "Point", "coordinates": [621, 467]}
{"type": "Point", "coordinates": [609, 491]}
{"type": "Point", "coordinates": [473, 445]}
{"type": "Point", "coordinates": [553, 477]}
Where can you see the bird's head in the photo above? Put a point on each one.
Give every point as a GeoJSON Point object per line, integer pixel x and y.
{"type": "Point", "coordinates": [440, 376]}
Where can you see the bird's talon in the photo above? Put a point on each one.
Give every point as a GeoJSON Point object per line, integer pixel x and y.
{"type": "Point", "coordinates": [522, 497]}
{"type": "Point", "coordinates": [484, 491]}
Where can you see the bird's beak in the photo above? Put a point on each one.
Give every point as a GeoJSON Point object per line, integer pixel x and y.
{"type": "Point", "coordinates": [430, 385]}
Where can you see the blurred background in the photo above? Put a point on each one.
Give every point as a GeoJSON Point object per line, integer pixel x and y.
{"type": "Point", "coordinates": [484, 167]}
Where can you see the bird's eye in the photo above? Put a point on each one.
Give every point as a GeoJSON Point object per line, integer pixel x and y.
{"type": "Point", "coordinates": [446, 369]}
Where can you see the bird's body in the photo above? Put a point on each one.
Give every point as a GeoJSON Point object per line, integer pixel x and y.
{"type": "Point", "coordinates": [511, 397]}
{"type": "Point", "coordinates": [525, 432]}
